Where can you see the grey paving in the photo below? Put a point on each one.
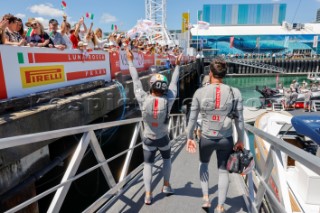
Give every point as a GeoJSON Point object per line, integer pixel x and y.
{"type": "Point", "coordinates": [185, 181]}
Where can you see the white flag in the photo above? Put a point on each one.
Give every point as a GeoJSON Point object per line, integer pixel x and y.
{"type": "Point", "coordinates": [202, 25]}
{"type": "Point", "coordinates": [315, 41]}
{"type": "Point", "coordinates": [132, 32]}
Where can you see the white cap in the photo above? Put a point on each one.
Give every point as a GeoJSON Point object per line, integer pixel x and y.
{"type": "Point", "coordinates": [81, 44]}
{"type": "Point", "coordinates": [112, 43]}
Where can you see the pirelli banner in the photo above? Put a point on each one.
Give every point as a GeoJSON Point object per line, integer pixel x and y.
{"type": "Point", "coordinates": [25, 70]}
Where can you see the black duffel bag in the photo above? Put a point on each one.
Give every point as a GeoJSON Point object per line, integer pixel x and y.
{"type": "Point", "coordinates": [240, 161]}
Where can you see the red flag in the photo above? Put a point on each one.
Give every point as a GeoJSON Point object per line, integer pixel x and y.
{"type": "Point", "coordinates": [90, 15]}
{"type": "Point", "coordinates": [231, 41]}
{"type": "Point", "coordinates": [63, 5]}
{"type": "Point", "coordinates": [115, 28]}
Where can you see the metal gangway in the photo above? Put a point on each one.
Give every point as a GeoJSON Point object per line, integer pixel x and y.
{"type": "Point", "coordinates": [256, 64]}
{"type": "Point", "coordinates": [246, 194]}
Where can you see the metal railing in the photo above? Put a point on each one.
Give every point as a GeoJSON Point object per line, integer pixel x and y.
{"type": "Point", "coordinates": [277, 146]}
{"type": "Point", "coordinates": [316, 105]}
{"type": "Point", "coordinates": [177, 126]}
{"type": "Point", "coordinates": [257, 64]}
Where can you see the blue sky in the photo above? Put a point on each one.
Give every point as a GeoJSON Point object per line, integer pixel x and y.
{"type": "Point", "coordinates": [125, 13]}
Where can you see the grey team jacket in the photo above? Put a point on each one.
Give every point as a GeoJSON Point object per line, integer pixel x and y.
{"type": "Point", "coordinates": [154, 109]}
{"type": "Point", "coordinates": [214, 103]}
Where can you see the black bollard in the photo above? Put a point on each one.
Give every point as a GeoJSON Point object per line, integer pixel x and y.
{"type": "Point", "coordinates": [202, 64]}
{"type": "Point", "coordinates": [273, 59]}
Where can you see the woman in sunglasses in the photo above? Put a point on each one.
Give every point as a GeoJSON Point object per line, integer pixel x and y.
{"type": "Point", "coordinates": [38, 37]}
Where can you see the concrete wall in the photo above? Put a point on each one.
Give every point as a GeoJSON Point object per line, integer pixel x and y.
{"type": "Point", "coordinates": [19, 162]}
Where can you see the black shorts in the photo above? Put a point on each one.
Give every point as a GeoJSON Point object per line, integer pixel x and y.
{"type": "Point", "coordinates": [150, 148]}
{"type": "Point", "coordinates": [223, 147]}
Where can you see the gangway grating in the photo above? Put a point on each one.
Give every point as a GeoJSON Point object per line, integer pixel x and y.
{"type": "Point", "coordinates": [186, 183]}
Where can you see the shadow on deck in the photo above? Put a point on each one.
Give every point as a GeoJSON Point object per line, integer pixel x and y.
{"type": "Point", "coordinates": [185, 181]}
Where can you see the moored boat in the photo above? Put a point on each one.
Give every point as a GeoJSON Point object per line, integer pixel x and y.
{"type": "Point", "coordinates": [294, 185]}
{"type": "Point", "coordinates": [270, 96]}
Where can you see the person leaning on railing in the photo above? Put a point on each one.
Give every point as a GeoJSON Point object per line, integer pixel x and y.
{"type": "Point", "coordinates": [218, 105]}
{"type": "Point", "coordinates": [3, 24]}
{"type": "Point", "coordinates": [90, 39]}
{"type": "Point", "coordinates": [38, 37]}
{"type": "Point", "coordinates": [99, 40]}
{"type": "Point", "coordinates": [155, 108]}
{"type": "Point", "coordinates": [75, 32]}
{"type": "Point", "coordinates": [55, 36]}
{"type": "Point", "coordinates": [20, 29]}
{"type": "Point", "coordinates": [12, 37]}
{"type": "Point", "coordinates": [65, 32]}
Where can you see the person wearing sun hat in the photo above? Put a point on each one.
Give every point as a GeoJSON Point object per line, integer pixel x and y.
{"type": "Point", "coordinates": [30, 20]}
{"type": "Point", "coordinates": [38, 36]}
{"type": "Point", "coordinates": [29, 29]}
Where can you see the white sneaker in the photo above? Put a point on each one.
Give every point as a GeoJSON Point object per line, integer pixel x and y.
{"type": "Point", "coordinates": [167, 190]}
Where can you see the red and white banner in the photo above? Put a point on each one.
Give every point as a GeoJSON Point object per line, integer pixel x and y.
{"type": "Point", "coordinates": [315, 41]}
{"type": "Point", "coordinates": [119, 63]}
{"type": "Point", "coordinates": [25, 70]}
{"type": "Point", "coordinates": [138, 60]}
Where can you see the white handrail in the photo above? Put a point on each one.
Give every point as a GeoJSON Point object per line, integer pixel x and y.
{"type": "Point", "coordinates": [88, 138]}
{"type": "Point", "coordinates": [276, 146]}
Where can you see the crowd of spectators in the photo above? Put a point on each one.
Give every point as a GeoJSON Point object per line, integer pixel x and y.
{"type": "Point", "coordinates": [78, 36]}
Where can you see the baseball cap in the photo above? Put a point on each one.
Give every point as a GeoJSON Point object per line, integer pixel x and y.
{"type": "Point", "coordinates": [53, 21]}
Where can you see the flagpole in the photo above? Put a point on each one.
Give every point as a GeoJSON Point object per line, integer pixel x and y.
{"type": "Point", "coordinates": [188, 36]}
{"type": "Point", "coordinates": [197, 30]}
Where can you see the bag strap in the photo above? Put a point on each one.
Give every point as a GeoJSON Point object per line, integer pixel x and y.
{"type": "Point", "coordinates": [232, 113]}
{"type": "Point", "coordinates": [166, 121]}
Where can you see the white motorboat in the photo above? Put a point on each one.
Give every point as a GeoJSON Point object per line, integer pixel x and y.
{"type": "Point", "coordinates": [314, 76]}
{"type": "Point", "coordinates": [294, 185]}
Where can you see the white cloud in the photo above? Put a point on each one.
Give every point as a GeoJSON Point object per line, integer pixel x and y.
{"type": "Point", "coordinates": [276, 0]}
{"type": "Point", "coordinates": [20, 15]}
{"type": "Point", "coordinates": [107, 18]}
{"type": "Point", "coordinates": [46, 10]}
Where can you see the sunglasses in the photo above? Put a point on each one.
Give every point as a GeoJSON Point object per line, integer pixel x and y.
{"type": "Point", "coordinates": [34, 25]}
